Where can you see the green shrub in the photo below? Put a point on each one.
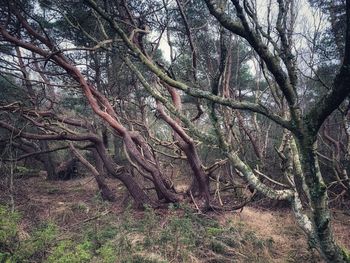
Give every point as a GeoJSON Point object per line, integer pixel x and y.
{"type": "Point", "coordinates": [69, 252]}
{"type": "Point", "coordinates": [217, 247]}
{"type": "Point", "coordinates": [8, 233]}
{"type": "Point", "coordinates": [37, 245]}
{"type": "Point", "coordinates": [27, 250]}
{"type": "Point", "coordinates": [179, 236]}
{"type": "Point", "coordinates": [106, 253]}
{"type": "Point", "coordinates": [213, 231]}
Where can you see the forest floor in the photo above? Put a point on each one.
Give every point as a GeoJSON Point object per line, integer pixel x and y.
{"type": "Point", "coordinates": [66, 221]}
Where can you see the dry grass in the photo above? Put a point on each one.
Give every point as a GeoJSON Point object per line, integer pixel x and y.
{"type": "Point", "coordinates": [290, 244]}
{"type": "Point", "coordinates": [68, 203]}
{"type": "Point", "coordinates": [288, 238]}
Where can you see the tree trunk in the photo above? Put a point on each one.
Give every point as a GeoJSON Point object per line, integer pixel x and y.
{"type": "Point", "coordinates": [148, 164]}
{"type": "Point", "coordinates": [67, 170]}
{"type": "Point", "coordinates": [321, 214]}
{"type": "Point", "coordinates": [199, 175]}
{"type": "Point", "coordinates": [106, 193]}
{"type": "Point", "coordinates": [200, 181]}
{"type": "Point", "coordinates": [140, 197]}
{"type": "Point", "coordinates": [48, 162]}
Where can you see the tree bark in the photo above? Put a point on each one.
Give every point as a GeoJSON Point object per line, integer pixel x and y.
{"type": "Point", "coordinates": [48, 162]}
{"type": "Point", "coordinates": [321, 214]}
{"type": "Point", "coordinates": [106, 193]}
{"type": "Point", "coordinates": [67, 170]}
{"type": "Point", "coordinates": [200, 182]}
{"type": "Point", "coordinates": [140, 197]}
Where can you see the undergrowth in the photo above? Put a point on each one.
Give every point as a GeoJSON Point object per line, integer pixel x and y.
{"type": "Point", "coordinates": [176, 235]}
{"type": "Point", "coordinates": [17, 248]}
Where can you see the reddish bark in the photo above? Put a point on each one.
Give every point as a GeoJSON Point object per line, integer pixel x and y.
{"type": "Point", "coordinates": [140, 197]}
{"type": "Point", "coordinates": [200, 183]}
{"type": "Point", "coordinates": [106, 193]}
{"type": "Point", "coordinates": [95, 99]}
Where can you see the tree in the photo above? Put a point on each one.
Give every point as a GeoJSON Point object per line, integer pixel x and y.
{"type": "Point", "coordinates": [304, 127]}
{"type": "Point", "coordinates": [121, 30]}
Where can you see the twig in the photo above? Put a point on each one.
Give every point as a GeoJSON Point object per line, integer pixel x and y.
{"type": "Point", "coordinates": [198, 209]}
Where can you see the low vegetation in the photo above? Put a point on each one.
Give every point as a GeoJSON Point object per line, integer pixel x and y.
{"type": "Point", "coordinates": [178, 236]}
{"type": "Point", "coordinates": [83, 228]}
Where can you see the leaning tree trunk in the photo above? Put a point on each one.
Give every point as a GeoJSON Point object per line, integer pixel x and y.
{"type": "Point", "coordinates": [106, 193]}
{"type": "Point", "coordinates": [140, 197]}
{"type": "Point", "coordinates": [148, 163]}
{"type": "Point", "coordinates": [200, 181]}
{"type": "Point", "coordinates": [97, 172]}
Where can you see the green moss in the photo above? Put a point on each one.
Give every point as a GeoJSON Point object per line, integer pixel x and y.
{"type": "Point", "coordinates": [346, 254]}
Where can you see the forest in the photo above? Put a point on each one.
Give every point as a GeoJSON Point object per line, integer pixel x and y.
{"type": "Point", "coordinates": [174, 131]}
